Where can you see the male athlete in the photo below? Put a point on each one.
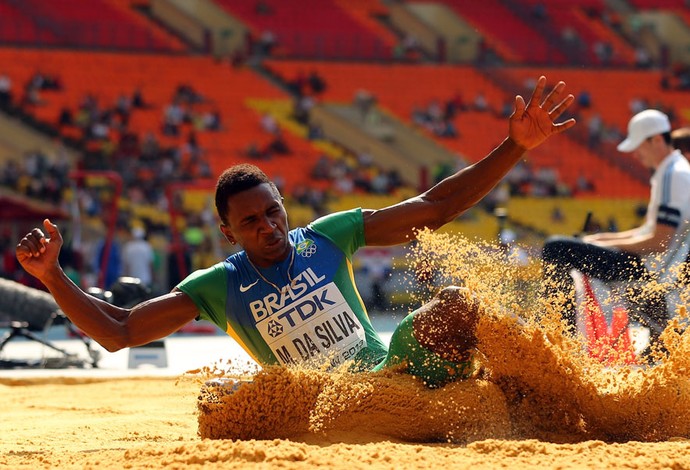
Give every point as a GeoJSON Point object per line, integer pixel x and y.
{"type": "Point", "coordinates": [290, 296]}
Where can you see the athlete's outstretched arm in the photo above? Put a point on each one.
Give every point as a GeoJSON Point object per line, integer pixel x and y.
{"type": "Point", "coordinates": [112, 327]}
{"type": "Point", "coordinates": [529, 126]}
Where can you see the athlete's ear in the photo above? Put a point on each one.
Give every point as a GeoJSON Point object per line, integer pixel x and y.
{"type": "Point", "coordinates": [227, 233]}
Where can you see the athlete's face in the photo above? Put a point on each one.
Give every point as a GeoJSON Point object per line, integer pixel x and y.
{"type": "Point", "coordinates": [257, 221]}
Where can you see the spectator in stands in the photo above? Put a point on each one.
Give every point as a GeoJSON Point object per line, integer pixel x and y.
{"type": "Point", "coordinates": [100, 129]}
{"type": "Point", "coordinates": [660, 241]}
{"type": "Point", "coordinates": [316, 82]}
{"type": "Point", "coordinates": [480, 102]}
{"type": "Point", "coordinates": [603, 51]}
{"type": "Point", "coordinates": [138, 257]}
{"type": "Point", "coordinates": [65, 118]}
{"type": "Point", "coordinates": [612, 134]}
{"type": "Point", "coordinates": [456, 104]}
{"type": "Point", "coordinates": [584, 99]}
{"type": "Point", "coordinates": [11, 173]}
{"type": "Point", "coordinates": [364, 101]}
{"type": "Point", "coordinates": [5, 92]}
{"type": "Point", "coordinates": [612, 224]}
{"type": "Point", "coordinates": [506, 108]}
{"type": "Point", "coordinates": [186, 93]}
{"type": "Point", "coordinates": [409, 47]}
{"type": "Point", "coordinates": [436, 343]}
{"type": "Point", "coordinates": [269, 124]}
{"type": "Point", "coordinates": [44, 81]}
{"type": "Point", "coordinates": [253, 151]}
{"type": "Point", "coordinates": [583, 184]}
{"type": "Point", "coordinates": [322, 168]}
{"type": "Point", "coordinates": [113, 265]}
{"type": "Point", "coordinates": [138, 99]}
{"type": "Point", "coordinates": [682, 75]}
{"type": "Point", "coordinates": [150, 147]}
{"type": "Point", "coordinates": [263, 8]}
{"type": "Point", "coordinates": [571, 40]}
{"type": "Point", "coordinates": [513, 252]}
{"type": "Point", "coordinates": [298, 85]}
{"type": "Point", "coordinates": [539, 11]}
{"type": "Point", "coordinates": [212, 121]}
{"type": "Point", "coordinates": [315, 131]}
{"type": "Point", "coordinates": [642, 58]}
{"type": "Point", "coordinates": [32, 96]}
{"type": "Point", "coordinates": [266, 43]}
{"type": "Point", "coordinates": [595, 129]}
{"type": "Point", "coordinates": [123, 109]}
{"type": "Point", "coordinates": [8, 262]}
{"type": "Point", "coordinates": [173, 118]}
{"type": "Point", "coordinates": [637, 104]}
{"type": "Point", "coordinates": [278, 145]}
{"type": "Point", "coordinates": [302, 106]}
{"type": "Point", "coordinates": [546, 181]}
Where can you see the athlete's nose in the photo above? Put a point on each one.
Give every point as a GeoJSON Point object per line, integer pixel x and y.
{"type": "Point", "coordinates": [267, 225]}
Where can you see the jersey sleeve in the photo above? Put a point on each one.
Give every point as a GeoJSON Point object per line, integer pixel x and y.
{"type": "Point", "coordinates": [675, 201]}
{"type": "Point", "coordinates": [208, 290]}
{"type": "Point", "coordinates": [345, 229]}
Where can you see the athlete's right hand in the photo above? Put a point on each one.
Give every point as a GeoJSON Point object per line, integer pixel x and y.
{"type": "Point", "coordinates": [38, 253]}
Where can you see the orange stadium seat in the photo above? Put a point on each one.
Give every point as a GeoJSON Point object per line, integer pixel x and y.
{"type": "Point", "coordinates": [400, 87]}
{"type": "Point", "coordinates": [108, 75]}
{"type": "Point", "coordinates": [500, 27]}
{"type": "Point", "coordinates": [307, 29]}
{"type": "Point", "coordinates": [109, 24]}
{"type": "Point", "coordinates": [314, 29]}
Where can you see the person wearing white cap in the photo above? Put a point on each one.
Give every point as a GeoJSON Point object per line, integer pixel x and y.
{"type": "Point", "coordinates": [645, 252]}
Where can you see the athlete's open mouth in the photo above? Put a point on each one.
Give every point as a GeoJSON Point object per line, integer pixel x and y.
{"type": "Point", "coordinates": [274, 243]}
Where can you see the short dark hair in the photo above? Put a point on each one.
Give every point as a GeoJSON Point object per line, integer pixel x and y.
{"type": "Point", "coordinates": [681, 139]}
{"type": "Point", "coordinates": [236, 179]}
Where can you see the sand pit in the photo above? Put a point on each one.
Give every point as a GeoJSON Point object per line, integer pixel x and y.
{"type": "Point", "coordinates": [151, 423]}
{"type": "Point", "coordinates": [536, 400]}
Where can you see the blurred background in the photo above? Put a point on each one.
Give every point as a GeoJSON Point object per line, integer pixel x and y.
{"type": "Point", "coordinates": [117, 116]}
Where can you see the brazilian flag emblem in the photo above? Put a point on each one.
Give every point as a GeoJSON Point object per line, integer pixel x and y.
{"type": "Point", "coordinates": [306, 248]}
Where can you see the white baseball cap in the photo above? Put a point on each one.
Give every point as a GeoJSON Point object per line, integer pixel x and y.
{"type": "Point", "coordinates": [643, 125]}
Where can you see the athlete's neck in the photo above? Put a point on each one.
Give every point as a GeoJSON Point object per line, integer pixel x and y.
{"type": "Point", "coordinates": [264, 262]}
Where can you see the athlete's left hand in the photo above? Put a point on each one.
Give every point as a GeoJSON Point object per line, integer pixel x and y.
{"type": "Point", "coordinates": [534, 122]}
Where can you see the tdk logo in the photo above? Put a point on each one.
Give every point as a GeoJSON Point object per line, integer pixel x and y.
{"type": "Point", "coordinates": [274, 302]}
{"type": "Point", "coordinates": [274, 328]}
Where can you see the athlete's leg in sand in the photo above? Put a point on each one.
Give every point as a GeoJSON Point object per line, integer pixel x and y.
{"type": "Point", "coordinates": [435, 343]}
{"type": "Point", "coordinates": [447, 324]}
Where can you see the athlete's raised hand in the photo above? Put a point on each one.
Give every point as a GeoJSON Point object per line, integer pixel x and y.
{"type": "Point", "coordinates": [37, 252]}
{"type": "Point", "coordinates": [534, 122]}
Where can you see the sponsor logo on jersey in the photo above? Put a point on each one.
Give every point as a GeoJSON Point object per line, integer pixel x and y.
{"type": "Point", "coordinates": [273, 302]}
{"type": "Point", "coordinates": [274, 328]}
{"type": "Point", "coordinates": [320, 324]}
{"type": "Point", "coordinates": [244, 288]}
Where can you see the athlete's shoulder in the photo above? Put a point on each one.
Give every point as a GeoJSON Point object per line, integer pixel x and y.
{"type": "Point", "coordinates": [352, 216]}
{"type": "Point", "coordinates": [236, 265]}
{"type": "Point", "coordinates": [202, 278]}
{"type": "Point", "coordinates": [345, 229]}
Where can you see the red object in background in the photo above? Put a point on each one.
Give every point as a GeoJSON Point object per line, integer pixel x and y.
{"type": "Point", "coordinates": [609, 344]}
{"type": "Point", "coordinates": [196, 328]}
